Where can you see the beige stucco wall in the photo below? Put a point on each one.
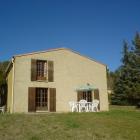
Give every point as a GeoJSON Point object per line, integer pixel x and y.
{"type": "Point", "coordinates": [70, 71]}
{"type": "Point", "coordinates": [9, 95]}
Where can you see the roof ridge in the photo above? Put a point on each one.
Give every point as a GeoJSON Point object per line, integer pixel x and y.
{"type": "Point", "coordinates": [43, 51]}
{"type": "Point", "coordinates": [61, 48]}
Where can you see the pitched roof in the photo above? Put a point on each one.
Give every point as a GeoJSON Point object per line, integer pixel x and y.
{"type": "Point", "coordinates": [57, 49]}
{"type": "Point", "coordinates": [50, 50]}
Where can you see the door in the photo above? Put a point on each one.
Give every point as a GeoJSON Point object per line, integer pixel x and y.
{"type": "Point", "coordinates": [41, 99]}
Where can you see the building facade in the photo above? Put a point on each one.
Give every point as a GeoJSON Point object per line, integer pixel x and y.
{"type": "Point", "coordinates": [47, 81]}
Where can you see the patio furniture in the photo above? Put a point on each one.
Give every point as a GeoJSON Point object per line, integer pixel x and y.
{"type": "Point", "coordinates": [2, 109]}
{"type": "Point", "coordinates": [83, 106]}
{"type": "Point", "coordinates": [73, 106]}
{"type": "Point", "coordinates": [89, 105]}
{"type": "Point", "coordinates": [86, 95]}
{"type": "Point", "coordinates": [94, 106]}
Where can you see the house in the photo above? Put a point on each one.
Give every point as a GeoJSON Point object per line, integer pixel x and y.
{"type": "Point", "coordinates": [48, 80]}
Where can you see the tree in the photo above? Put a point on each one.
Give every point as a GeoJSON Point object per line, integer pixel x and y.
{"type": "Point", "coordinates": [3, 85]}
{"type": "Point", "coordinates": [136, 67]}
{"type": "Point", "coordinates": [3, 66]}
{"type": "Point", "coordinates": [110, 80]}
{"type": "Point", "coordinates": [121, 83]}
{"type": "Point", "coordinates": [127, 84]}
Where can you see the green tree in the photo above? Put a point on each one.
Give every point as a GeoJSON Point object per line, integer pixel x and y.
{"type": "Point", "coordinates": [3, 85]}
{"type": "Point", "coordinates": [3, 66]}
{"type": "Point", "coordinates": [110, 80]}
{"type": "Point", "coordinates": [136, 67]}
{"type": "Point", "coordinates": [127, 84]}
{"type": "Point", "coordinates": [122, 82]}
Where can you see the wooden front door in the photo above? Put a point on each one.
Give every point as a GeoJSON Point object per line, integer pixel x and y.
{"type": "Point", "coordinates": [41, 99]}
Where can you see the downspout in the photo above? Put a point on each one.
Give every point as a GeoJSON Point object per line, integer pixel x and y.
{"type": "Point", "coordinates": [13, 80]}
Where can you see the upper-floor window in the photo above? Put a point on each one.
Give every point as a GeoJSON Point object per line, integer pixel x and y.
{"type": "Point", "coordinates": [41, 67]}
{"type": "Point", "coordinates": [42, 70]}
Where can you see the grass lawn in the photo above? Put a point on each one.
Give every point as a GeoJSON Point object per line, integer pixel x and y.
{"type": "Point", "coordinates": [120, 123]}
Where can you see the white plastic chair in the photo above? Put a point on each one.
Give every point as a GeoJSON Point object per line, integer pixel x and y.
{"type": "Point", "coordinates": [2, 109]}
{"type": "Point", "coordinates": [83, 106]}
{"type": "Point", "coordinates": [73, 106]}
{"type": "Point", "coordinates": [94, 106]}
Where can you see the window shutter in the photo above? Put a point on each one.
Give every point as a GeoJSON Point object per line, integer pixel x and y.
{"type": "Point", "coordinates": [96, 96]}
{"type": "Point", "coordinates": [31, 99]}
{"type": "Point", "coordinates": [52, 97]}
{"type": "Point", "coordinates": [79, 95]}
{"type": "Point", "coordinates": [50, 71]}
{"type": "Point", "coordinates": [45, 70]}
{"type": "Point", "coordinates": [33, 70]}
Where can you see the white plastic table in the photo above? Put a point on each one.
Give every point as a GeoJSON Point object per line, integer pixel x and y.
{"type": "Point", "coordinates": [87, 106]}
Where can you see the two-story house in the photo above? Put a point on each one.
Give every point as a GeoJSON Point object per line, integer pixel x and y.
{"type": "Point", "coordinates": [48, 80]}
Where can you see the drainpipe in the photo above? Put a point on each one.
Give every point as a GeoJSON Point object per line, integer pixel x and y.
{"type": "Point", "coordinates": [13, 80]}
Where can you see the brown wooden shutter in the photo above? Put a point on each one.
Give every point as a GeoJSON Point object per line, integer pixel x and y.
{"type": "Point", "coordinates": [92, 95]}
{"type": "Point", "coordinates": [52, 97]}
{"type": "Point", "coordinates": [79, 95]}
{"type": "Point", "coordinates": [50, 71]}
{"type": "Point", "coordinates": [31, 99]}
{"type": "Point", "coordinates": [96, 96]}
{"type": "Point", "coordinates": [33, 70]}
{"type": "Point", "coordinates": [45, 71]}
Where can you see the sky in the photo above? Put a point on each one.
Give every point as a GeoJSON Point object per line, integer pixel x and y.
{"type": "Point", "coordinates": [95, 28]}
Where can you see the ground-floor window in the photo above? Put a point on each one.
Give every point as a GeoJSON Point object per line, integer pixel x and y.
{"type": "Point", "coordinates": [41, 99]}
{"type": "Point", "coordinates": [86, 95]}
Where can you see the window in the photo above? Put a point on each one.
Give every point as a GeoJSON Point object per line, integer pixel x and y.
{"type": "Point", "coordinates": [41, 69]}
{"type": "Point", "coordinates": [86, 95]}
{"type": "Point", "coordinates": [41, 99]}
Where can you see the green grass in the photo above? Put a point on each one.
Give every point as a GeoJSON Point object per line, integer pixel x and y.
{"type": "Point", "coordinates": [120, 123]}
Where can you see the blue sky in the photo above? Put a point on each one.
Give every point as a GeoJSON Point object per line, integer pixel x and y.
{"type": "Point", "coordinates": [95, 28]}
